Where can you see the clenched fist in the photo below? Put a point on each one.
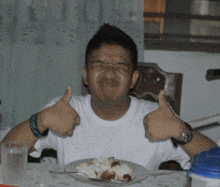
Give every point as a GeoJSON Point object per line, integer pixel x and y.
{"type": "Point", "coordinates": [61, 117]}
{"type": "Point", "coordinates": [163, 123]}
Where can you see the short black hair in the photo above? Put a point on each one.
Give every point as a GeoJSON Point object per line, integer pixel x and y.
{"type": "Point", "coordinates": [108, 34]}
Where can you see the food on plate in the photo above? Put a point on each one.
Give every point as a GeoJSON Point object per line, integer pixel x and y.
{"type": "Point", "coordinates": [106, 168]}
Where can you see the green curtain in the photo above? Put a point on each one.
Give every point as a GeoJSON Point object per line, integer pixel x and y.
{"type": "Point", "coordinates": [42, 46]}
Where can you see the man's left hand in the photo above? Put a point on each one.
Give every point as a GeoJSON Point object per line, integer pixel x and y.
{"type": "Point", "coordinates": [163, 123]}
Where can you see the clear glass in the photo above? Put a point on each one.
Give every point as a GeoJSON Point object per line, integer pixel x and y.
{"type": "Point", "coordinates": [14, 162]}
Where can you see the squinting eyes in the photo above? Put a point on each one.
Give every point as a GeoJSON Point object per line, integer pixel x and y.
{"type": "Point", "coordinates": [119, 66]}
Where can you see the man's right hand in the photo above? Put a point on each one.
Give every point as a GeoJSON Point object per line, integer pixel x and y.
{"type": "Point", "coordinates": [61, 117]}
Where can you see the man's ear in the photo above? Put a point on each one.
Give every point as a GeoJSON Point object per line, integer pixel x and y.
{"type": "Point", "coordinates": [84, 72]}
{"type": "Point", "coordinates": [134, 79]}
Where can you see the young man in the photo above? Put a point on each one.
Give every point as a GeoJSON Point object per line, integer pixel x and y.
{"type": "Point", "coordinates": [107, 122]}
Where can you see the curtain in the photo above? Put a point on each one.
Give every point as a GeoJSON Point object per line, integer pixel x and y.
{"type": "Point", "coordinates": [43, 45]}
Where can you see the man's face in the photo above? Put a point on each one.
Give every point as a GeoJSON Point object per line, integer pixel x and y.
{"type": "Point", "coordinates": [109, 73]}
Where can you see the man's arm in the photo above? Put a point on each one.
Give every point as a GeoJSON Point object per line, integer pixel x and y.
{"type": "Point", "coordinates": [199, 143]}
{"type": "Point", "coordinates": [61, 118]}
{"type": "Point", "coordinates": [163, 123]}
{"type": "Point", "coordinates": [21, 133]}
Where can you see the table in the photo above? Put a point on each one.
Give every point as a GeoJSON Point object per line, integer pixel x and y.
{"type": "Point", "coordinates": [38, 176]}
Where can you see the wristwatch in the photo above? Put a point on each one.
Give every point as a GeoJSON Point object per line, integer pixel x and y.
{"type": "Point", "coordinates": [187, 136]}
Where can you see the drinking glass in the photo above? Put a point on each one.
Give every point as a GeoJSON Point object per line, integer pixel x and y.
{"type": "Point", "coordinates": [14, 162]}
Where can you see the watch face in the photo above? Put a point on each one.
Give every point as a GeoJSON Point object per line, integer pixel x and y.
{"type": "Point", "coordinates": [187, 136]}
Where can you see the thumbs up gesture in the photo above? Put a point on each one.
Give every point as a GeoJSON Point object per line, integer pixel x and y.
{"type": "Point", "coordinates": [163, 123]}
{"type": "Point", "coordinates": [61, 117]}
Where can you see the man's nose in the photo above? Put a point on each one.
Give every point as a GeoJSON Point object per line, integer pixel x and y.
{"type": "Point", "coordinates": [110, 71]}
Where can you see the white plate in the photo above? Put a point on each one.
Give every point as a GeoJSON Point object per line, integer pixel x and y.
{"type": "Point", "coordinates": [139, 173]}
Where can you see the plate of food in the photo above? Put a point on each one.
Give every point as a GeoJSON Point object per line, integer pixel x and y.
{"type": "Point", "coordinates": [106, 171]}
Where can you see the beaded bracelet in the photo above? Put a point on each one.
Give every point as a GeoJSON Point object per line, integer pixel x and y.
{"type": "Point", "coordinates": [34, 128]}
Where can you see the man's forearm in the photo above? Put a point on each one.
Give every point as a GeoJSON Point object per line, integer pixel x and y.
{"type": "Point", "coordinates": [23, 134]}
{"type": "Point", "coordinates": [199, 143]}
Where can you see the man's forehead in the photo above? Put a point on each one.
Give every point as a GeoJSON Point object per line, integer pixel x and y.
{"type": "Point", "coordinates": [106, 52]}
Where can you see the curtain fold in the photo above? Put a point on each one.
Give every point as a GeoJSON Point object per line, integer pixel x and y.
{"type": "Point", "coordinates": [43, 44]}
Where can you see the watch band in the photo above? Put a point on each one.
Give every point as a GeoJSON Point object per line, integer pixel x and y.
{"type": "Point", "coordinates": [184, 134]}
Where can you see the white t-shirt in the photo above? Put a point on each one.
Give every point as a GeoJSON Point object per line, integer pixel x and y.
{"type": "Point", "coordinates": [123, 138]}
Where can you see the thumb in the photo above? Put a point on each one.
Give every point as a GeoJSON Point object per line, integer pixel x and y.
{"type": "Point", "coordinates": [162, 99]}
{"type": "Point", "coordinates": [66, 97]}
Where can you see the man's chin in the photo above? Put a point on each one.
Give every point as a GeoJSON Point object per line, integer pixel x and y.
{"type": "Point", "coordinates": [112, 98]}
{"type": "Point", "coordinates": [110, 95]}
{"type": "Point", "coordinates": [107, 98]}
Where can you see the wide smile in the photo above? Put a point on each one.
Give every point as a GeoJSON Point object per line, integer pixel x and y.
{"type": "Point", "coordinates": [110, 83]}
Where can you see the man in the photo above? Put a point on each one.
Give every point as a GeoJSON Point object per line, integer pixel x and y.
{"type": "Point", "coordinates": [108, 122]}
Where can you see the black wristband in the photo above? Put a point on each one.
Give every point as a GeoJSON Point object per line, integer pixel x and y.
{"type": "Point", "coordinates": [34, 128]}
{"type": "Point", "coordinates": [177, 142]}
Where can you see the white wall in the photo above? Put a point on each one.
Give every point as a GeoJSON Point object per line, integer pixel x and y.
{"type": "Point", "coordinates": [200, 98]}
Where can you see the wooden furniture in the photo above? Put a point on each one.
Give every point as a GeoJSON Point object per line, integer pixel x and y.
{"type": "Point", "coordinates": [212, 74]}
{"type": "Point", "coordinates": [45, 153]}
{"type": "Point", "coordinates": [152, 79]}
{"type": "Point", "coordinates": [154, 6]}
